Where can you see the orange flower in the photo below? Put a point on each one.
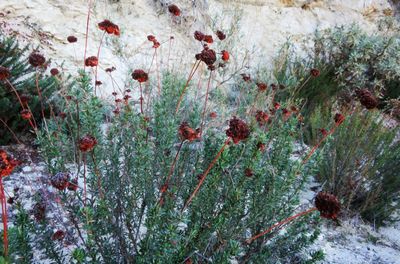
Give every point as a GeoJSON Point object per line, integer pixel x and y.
{"type": "Point", "coordinates": [26, 114]}
{"type": "Point", "coordinates": [225, 55]}
{"type": "Point", "coordinates": [7, 164]}
{"type": "Point", "coordinates": [109, 27]}
{"type": "Point", "coordinates": [188, 133]}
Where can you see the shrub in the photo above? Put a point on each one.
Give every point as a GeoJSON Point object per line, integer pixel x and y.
{"type": "Point", "coordinates": [360, 164]}
{"type": "Point", "coordinates": [23, 78]}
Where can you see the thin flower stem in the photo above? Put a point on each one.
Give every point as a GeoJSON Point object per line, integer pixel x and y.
{"type": "Point", "coordinates": [171, 171]}
{"type": "Point", "coordinates": [97, 172]}
{"type": "Point", "coordinates": [39, 93]}
{"type": "Point", "coordinates": [158, 75]}
{"type": "Point", "coordinates": [287, 220]}
{"type": "Point", "coordinates": [206, 173]}
{"type": "Point", "coordinates": [84, 179]}
{"type": "Point", "coordinates": [86, 34]}
{"type": "Point", "coordinates": [205, 104]}
{"type": "Point", "coordinates": [98, 60]}
{"type": "Point", "coordinates": [141, 98]}
{"type": "Point", "coordinates": [191, 74]}
{"type": "Point", "coordinates": [12, 132]}
{"type": "Point", "coordinates": [4, 217]}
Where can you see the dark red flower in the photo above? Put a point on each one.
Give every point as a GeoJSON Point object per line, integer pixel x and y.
{"type": "Point", "coordinates": [327, 204]}
{"type": "Point", "coordinates": [58, 235]}
{"type": "Point", "coordinates": [151, 38]}
{"type": "Point", "coordinates": [174, 9]}
{"type": "Point", "coordinates": [246, 77]}
{"type": "Point", "coordinates": [140, 76]}
{"type": "Point", "coordinates": [72, 39]}
{"type": "Point", "coordinates": [109, 27]}
{"type": "Point", "coordinates": [367, 99]}
{"type": "Point", "coordinates": [262, 87]}
{"type": "Point", "coordinates": [25, 98]}
{"type": "Point", "coordinates": [91, 61]}
{"type": "Point", "coordinates": [248, 172]}
{"type": "Point", "coordinates": [87, 143]}
{"type": "Point", "coordinates": [60, 180]}
{"type": "Point", "coordinates": [208, 56]}
{"type": "Point", "coordinates": [286, 113]}
{"type": "Point", "coordinates": [262, 118]}
{"type": "Point", "coordinates": [238, 130]}
{"type": "Point", "coordinates": [54, 71]}
{"type": "Point", "coordinates": [274, 86]}
{"type": "Point", "coordinates": [323, 131]}
{"type": "Point", "coordinates": [188, 133]}
{"type": "Point", "coordinates": [339, 118]}
{"type": "Point", "coordinates": [225, 55]}
{"type": "Point", "coordinates": [26, 114]}
{"type": "Point", "coordinates": [199, 35]}
{"type": "Point", "coordinates": [110, 69]}
{"type": "Point", "coordinates": [220, 35]}
{"type": "Point", "coordinates": [213, 115]}
{"type": "Point", "coordinates": [118, 100]}
{"type": "Point", "coordinates": [62, 115]}
{"type": "Point", "coordinates": [156, 44]}
{"type": "Point", "coordinates": [294, 109]}
{"type": "Point", "coordinates": [116, 111]}
{"type": "Point", "coordinates": [314, 72]}
{"type": "Point", "coordinates": [98, 83]}
{"type": "Point", "coordinates": [7, 163]}
{"type": "Point", "coordinates": [208, 39]}
{"type": "Point", "coordinates": [128, 90]}
{"type": "Point", "coordinates": [261, 146]}
{"type": "Point", "coordinates": [114, 93]}
{"type": "Point", "coordinates": [36, 59]}
{"type": "Point", "coordinates": [39, 211]}
{"type": "Point", "coordinates": [277, 105]}
{"type": "Point", "coordinates": [10, 200]}
{"type": "Point", "coordinates": [4, 73]}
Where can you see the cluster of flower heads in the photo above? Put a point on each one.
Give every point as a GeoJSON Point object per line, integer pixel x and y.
{"type": "Point", "coordinates": [367, 99]}
{"type": "Point", "coordinates": [174, 10]}
{"type": "Point", "coordinates": [7, 164]}
{"type": "Point", "coordinates": [262, 118]}
{"type": "Point", "coordinates": [36, 59]}
{"type": "Point", "coordinates": [109, 27]}
{"type": "Point", "coordinates": [328, 205]}
{"type": "Point", "coordinates": [238, 130]}
{"type": "Point", "coordinates": [60, 180]}
{"type": "Point", "coordinates": [140, 76]}
{"type": "Point", "coordinates": [188, 133]}
{"type": "Point", "coordinates": [153, 39]}
{"type": "Point", "coordinates": [91, 61]}
{"type": "Point", "coordinates": [87, 143]}
{"type": "Point", "coordinates": [207, 55]}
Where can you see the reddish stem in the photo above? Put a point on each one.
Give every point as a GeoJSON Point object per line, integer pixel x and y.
{"type": "Point", "coordinates": [287, 220]}
{"type": "Point", "coordinates": [98, 60]}
{"type": "Point", "coordinates": [4, 217]}
{"type": "Point", "coordinates": [86, 35]}
{"type": "Point", "coordinates": [171, 170]}
{"type": "Point", "coordinates": [141, 98]}
{"type": "Point", "coordinates": [191, 74]}
{"type": "Point", "coordinates": [206, 173]}
{"type": "Point", "coordinates": [205, 104]}
{"type": "Point", "coordinates": [84, 179]}
{"type": "Point", "coordinates": [158, 75]}
{"type": "Point", "coordinates": [39, 93]}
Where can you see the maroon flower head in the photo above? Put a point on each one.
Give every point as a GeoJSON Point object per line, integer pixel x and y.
{"type": "Point", "coordinates": [261, 146]}
{"type": "Point", "coordinates": [62, 115]}
{"type": "Point", "coordinates": [208, 56]}
{"type": "Point", "coordinates": [188, 133]}
{"type": "Point", "coordinates": [58, 235]}
{"type": "Point", "coordinates": [174, 9]}
{"type": "Point", "coordinates": [39, 211]}
{"type": "Point", "coordinates": [109, 27]}
{"type": "Point", "coordinates": [327, 204]}
{"type": "Point", "coordinates": [262, 87]}
{"type": "Point", "coordinates": [262, 117]}
{"type": "Point", "coordinates": [26, 114]}
{"type": "Point", "coordinates": [54, 71]}
{"type": "Point", "coordinates": [213, 115]}
{"type": "Point", "coordinates": [151, 38]}
{"type": "Point", "coordinates": [367, 99]}
{"type": "Point", "coordinates": [140, 76]}
{"type": "Point", "coordinates": [91, 61]}
{"type": "Point", "coordinates": [98, 83]}
{"type": "Point", "coordinates": [238, 130]}
{"type": "Point", "coordinates": [220, 35]}
{"type": "Point", "coordinates": [246, 77]}
{"type": "Point", "coordinates": [208, 39]}
{"type": "Point", "coordinates": [286, 113]}
{"type": "Point", "coordinates": [25, 98]}
{"type": "Point", "coordinates": [274, 86]}
{"type": "Point", "coordinates": [225, 55]}
{"type": "Point", "coordinates": [72, 39]}
{"type": "Point", "coordinates": [315, 72]}
{"type": "Point", "coordinates": [4, 73]}
{"type": "Point", "coordinates": [36, 59]}
{"type": "Point", "coordinates": [87, 143]}
{"type": "Point", "coordinates": [110, 69]}
{"type": "Point", "coordinates": [199, 35]}
{"type": "Point", "coordinates": [248, 172]}
{"type": "Point", "coordinates": [156, 44]}
{"type": "Point", "coordinates": [277, 105]}
{"type": "Point", "coordinates": [339, 118]}
{"type": "Point", "coordinates": [60, 180]}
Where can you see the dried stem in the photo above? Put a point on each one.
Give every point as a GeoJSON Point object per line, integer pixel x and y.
{"type": "Point", "coordinates": [206, 173]}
